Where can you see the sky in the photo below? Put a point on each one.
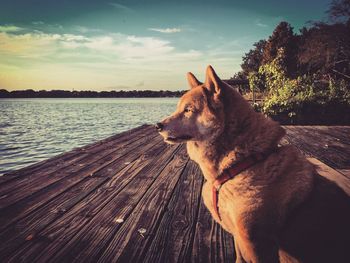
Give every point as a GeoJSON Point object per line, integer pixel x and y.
{"type": "Point", "coordinates": [127, 45]}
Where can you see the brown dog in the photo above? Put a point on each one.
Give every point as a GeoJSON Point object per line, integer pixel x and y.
{"type": "Point", "coordinates": [277, 208]}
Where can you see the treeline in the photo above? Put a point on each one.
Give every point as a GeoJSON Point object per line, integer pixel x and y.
{"type": "Point", "coordinates": [89, 94]}
{"type": "Point", "coordinates": [304, 75]}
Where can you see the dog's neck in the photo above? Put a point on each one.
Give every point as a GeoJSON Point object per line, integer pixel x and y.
{"type": "Point", "coordinates": [249, 133]}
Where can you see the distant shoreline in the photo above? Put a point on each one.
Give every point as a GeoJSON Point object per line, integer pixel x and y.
{"type": "Point", "coordinates": [4, 94]}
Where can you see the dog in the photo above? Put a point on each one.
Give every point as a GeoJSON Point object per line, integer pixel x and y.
{"type": "Point", "coordinates": [275, 205]}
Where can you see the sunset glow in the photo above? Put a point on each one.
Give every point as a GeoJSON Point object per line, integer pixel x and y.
{"type": "Point", "coordinates": [104, 45]}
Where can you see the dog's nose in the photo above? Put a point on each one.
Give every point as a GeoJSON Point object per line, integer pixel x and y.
{"type": "Point", "coordinates": [159, 126]}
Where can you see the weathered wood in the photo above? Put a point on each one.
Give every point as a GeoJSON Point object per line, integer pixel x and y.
{"type": "Point", "coordinates": [332, 151]}
{"type": "Point", "coordinates": [146, 215]}
{"type": "Point", "coordinates": [23, 207]}
{"type": "Point", "coordinates": [34, 222]}
{"type": "Point", "coordinates": [106, 200]}
{"type": "Point", "coordinates": [47, 167]}
{"type": "Point", "coordinates": [211, 242]}
{"type": "Point", "coordinates": [31, 184]}
{"type": "Point", "coordinates": [173, 239]}
{"type": "Point", "coordinates": [68, 208]}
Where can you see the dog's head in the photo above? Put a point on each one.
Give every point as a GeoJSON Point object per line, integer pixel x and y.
{"type": "Point", "coordinates": [199, 114]}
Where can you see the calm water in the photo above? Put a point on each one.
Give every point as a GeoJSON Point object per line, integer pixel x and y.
{"type": "Point", "coordinates": [35, 129]}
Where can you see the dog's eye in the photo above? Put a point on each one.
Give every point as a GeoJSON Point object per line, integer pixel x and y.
{"type": "Point", "coordinates": [187, 110]}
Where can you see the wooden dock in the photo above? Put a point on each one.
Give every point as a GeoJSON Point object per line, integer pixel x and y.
{"type": "Point", "coordinates": [131, 198]}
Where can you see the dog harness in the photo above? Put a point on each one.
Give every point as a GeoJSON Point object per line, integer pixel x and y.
{"type": "Point", "coordinates": [231, 172]}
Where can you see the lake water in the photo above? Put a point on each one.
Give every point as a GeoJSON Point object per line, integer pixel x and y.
{"type": "Point", "coordinates": [32, 130]}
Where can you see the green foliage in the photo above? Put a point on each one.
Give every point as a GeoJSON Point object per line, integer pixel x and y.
{"type": "Point", "coordinates": [282, 38]}
{"type": "Point", "coordinates": [292, 95]}
{"type": "Point", "coordinates": [256, 82]}
{"type": "Point", "coordinates": [304, 77]}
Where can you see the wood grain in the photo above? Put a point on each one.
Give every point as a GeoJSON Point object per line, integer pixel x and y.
{"type": "Point", "coordinates": [105, 165]}
{"type": "Point", "coordinates": [31, 183]}
{"type": "Point", "coordinates": [317, 142]}
{"type": "Point", "coordinates": [173, 239]}
{"type": "Point", "coordinates": [31, 226]}
{"type": "Point", "coordinates": [92, 203]}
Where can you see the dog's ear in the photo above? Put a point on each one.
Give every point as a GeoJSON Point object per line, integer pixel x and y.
{"type": "Point", "coordinates": [213, 82]}
{"type": "Point", "coordinates": [193, 81]}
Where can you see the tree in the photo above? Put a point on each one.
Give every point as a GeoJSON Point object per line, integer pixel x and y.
{"type": "Point", "coordinates": [339, 10]}
{"type": "Point", "coordinates": [253, 59]}
{"type": "Point", "coordinates": [282, 37]}
{"type": "Point", "coordinates": [325, 50]}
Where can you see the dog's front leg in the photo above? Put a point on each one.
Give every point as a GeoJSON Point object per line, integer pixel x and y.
{"type": "Point", "coordinates": [239, 257]}
{"type": "Point", "coordinates": [257, 244]}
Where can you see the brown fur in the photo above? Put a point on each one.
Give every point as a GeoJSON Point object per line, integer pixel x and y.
{"type": "Point", "coordinates": [277, 210]}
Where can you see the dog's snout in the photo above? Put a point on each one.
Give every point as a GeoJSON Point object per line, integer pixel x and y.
{"type": "Point", "coordinates": [159, 126]}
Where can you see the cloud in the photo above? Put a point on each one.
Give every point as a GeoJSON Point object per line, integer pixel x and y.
{"type": "Point", "coordinates": [120, 7]}
{"type": "Point", "coordinates": [117, 47]}
{"type": "Point", "coordinates": [261, 25]}
{"type": "Point", "coordinates": [36, 43]}
{"type": "Point", "coordinates": [38, 23]}
{"type": "Point", "coordinates": [124, 46]}
{"type": "Point", "coordinates": [83, 29]}
{"type": "Point", "coordinates": [87, 61]}
{"type": "Point", "coordinates": [10, 28]}
{"type": "Point", "coordinates": [26, 44]}
{"type": "Point", "coordinates": [165, 30]}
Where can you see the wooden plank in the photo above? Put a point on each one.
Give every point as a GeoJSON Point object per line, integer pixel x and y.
{"type": "Point", "coordinates": [90, 165]}
{"type": "Point", "coordinates": [17, 234]}
{"type": "Point", "coordinates": [332, 175]}
{"type": "Point", "coordinates": [90, 222]}
{"type": "Point", "coordinates": [63, 158]}
{"type": "Point", "coordinates": [31, 225]}
{"type": "Point", "coordinates": [340, 133]}
{"type": "Point", "coordinates": [338, 138]}
{"type": "Point", "coordinates": [106, 166]}
{"type": "Point", "coordinates": [325, 135]}
{"type": "Point", "coordinates": [147, 184]}
{"type": "Point", "coordinates": [171, 241]}
{"type": "Point", "coordinates": [311, 144]}
{"type": "Point", "coordinates": [146, 215]}
{"type": "Point", "coordinates": [211, 242]}
{"type": "Point", "coordinates": [79, 159]}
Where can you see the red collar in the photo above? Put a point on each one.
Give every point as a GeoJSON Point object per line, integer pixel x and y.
{"type": "Point", "coordinates": [231, 172]}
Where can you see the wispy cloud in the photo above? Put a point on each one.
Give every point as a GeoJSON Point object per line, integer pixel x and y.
{"type": "Point", "coordinates": [10, 28]}
{"type": "Point", "coordinates": [260, 24]}
{"type": "Point", "coordinates": [90, 61]}
{"type": "Point", "coordinates": [124, 48]}
{"type": "Point", "coordinates": [120, 7]}
{"type": "Point", "coordinates": [83, 29]}
{"type": "Point", "coordinates": [38, 23]}
{"type": "Point", "coordinates": [34, 44]}
{"type": "Point", "coordinates": [165, 30]}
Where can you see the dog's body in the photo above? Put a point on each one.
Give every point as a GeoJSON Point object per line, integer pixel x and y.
{"type": "Point", "coordinates": [277, 209]}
